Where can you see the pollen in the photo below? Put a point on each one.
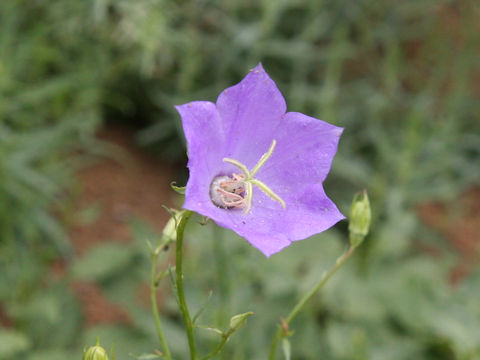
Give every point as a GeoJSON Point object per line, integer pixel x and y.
{"type": "Point", "coordinates": [228, 192]}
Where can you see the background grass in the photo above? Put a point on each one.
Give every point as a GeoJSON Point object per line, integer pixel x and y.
{"type": "Point", "coordinates": [401, 77]}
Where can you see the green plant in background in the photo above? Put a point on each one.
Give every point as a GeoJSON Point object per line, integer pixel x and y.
{"type": "Point", "coordinates": [359, 226]}
{"type": "Point", "coordinates": [359, 220]}
{"type": "Point", "coordinates": [49, 108]}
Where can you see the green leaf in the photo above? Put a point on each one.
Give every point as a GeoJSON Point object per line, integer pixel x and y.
{"type": "Point", "coordinates": [202, 308]}
{"type": "Point", "coordinates": [103, 261]}
{"type": "Point", "coordinates": [51, 354]}
{"type": "Point", "coordinates": [12, 343]}
{"type": "Point", "coordinates": [173, 281]}
{"type": "Point", "coordinates": [212, 329]}
{"type": "Point", "coordinates": [178, 189]}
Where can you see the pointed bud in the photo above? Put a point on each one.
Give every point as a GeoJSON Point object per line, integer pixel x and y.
{"type": "Point", "coordinates": [238, 321]}
{"type": "Point", "coordinates": [360, 216]}
{"type": "Point", "coordinates": [169, 233]}
{"type": "Point", "coordinates": [95, 353]}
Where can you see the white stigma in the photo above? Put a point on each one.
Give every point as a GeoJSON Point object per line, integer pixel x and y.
{"type": "Point", "coordinates": [228, 192]}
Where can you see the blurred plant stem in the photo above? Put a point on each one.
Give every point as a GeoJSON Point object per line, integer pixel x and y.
{"type": "Point", "coordinates": [222, 274]}
{"type": "Point", "coordinates": [359, 226]}
{"type": "Point", "coordinates": [179, 282]}
{"type": "Point", "coordinates": [283, 327]}
{"type": "Point", "coordinates": [153, 296]}
{"type": "Point", "coordinates": [217, 350]}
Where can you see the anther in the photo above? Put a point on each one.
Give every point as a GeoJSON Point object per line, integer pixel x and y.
{"type": "Point", "coordinates": [226, 192]}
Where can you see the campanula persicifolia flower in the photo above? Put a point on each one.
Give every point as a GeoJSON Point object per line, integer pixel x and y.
{"type": "Point", "coordinates": [257, 169]}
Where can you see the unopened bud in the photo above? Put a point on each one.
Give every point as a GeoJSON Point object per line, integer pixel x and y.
{"type": "Point", "coordinates": [95, 353]}
{"type": "Point", "coordinates": [169, 233]}
{"type": "Point", "coordinates": [360, 216]}
{"type": "Point", "coordinates": [238, 321]}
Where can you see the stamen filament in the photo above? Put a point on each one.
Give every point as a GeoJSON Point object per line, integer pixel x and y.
{"type": "Point", "coordinates": [263, 159]}
{"type": "Point", "coordinates": [239, 165]}
{"type": "Point", "coordinates": [268, 191]}
{"type": "Point", "coordinates": [248, 181]}
{"type": "Point", "coordinates": [249, 196]}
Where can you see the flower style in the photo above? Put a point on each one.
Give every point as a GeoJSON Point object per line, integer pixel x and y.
{"type": "Point", "coordinates": [257, 169]}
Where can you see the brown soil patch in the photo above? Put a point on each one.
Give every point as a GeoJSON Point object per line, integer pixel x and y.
{"type": "Point", "coordinates": [96, 308]}
{"type": "Point", "coordinates": [460, 224]}
{"type": "Point", "coordinates": [5, 319]}
{"type": "Point", "coordinates": [131, 183]}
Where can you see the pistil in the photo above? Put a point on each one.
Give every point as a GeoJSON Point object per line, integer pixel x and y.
{"type": "Point", "coordinates": [237, 191]}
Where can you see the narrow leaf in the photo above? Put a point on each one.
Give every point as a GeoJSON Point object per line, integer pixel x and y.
{"type": "Point", "coordinates": [286, 348]}
{"type": "Point", "coordinates": [178, 189]}
{"type": "Point", "coordinates": [215, 330]}
{"type": "Point", "coordinates": [202, 308]}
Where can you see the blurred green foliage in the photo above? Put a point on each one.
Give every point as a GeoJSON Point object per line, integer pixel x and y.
{"type": "Point", "coordinates": [399, 76]}
{"type": "Point", "coordinates": [49, 109]}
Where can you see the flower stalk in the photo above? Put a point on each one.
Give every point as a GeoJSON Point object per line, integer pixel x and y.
{"type": "Point", "coordinates": [153, 298]}
{"type": "Point", "coordinates": [179, 282]}
{"type": "Point", "coordinates": [283, 329]}
{"type": "Point", "coordinates": [359, 226]}
{"type": "Point", "coordinates": [236, 322]}
{"type": "Point", "coordinates": [222, 273]}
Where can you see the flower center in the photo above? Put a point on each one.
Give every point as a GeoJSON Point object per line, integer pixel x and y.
{"type": "Point", "coordinates": [236, 191]}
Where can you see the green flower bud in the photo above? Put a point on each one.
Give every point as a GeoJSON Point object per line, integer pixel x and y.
{"type": "Point", "coordinates": [238, 321]}
{"type": "Point", "coordinates": [360, 217]}
{"type": "Point", "coordinates": [95, 353]}
{"type": "Point", "coordinates": [169, 233]}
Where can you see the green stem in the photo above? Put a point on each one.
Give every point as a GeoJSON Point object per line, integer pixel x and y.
{"type": "Point", "coordinates": [219, 347]}
{"type": "Point", "coordinates": [222, 273]}
{"type": "Point", "coordinates": [181, 293]}
{"type": "Point", "coordinates": [282, 332]}
{"type": "Point", "coordinates": [153, 297]}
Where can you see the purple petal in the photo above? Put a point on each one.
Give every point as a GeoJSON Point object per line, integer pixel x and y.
{"type": "Point", "coordinates": [304, 152]}
{"type": "Point", "coordinates": [301, 161]}
{"type": "Point", "coordinates": [251, 111]}
{"type": "Point", "coordinates": [205, 143]}
{"type": "Point", "coordinates": [309, 211]}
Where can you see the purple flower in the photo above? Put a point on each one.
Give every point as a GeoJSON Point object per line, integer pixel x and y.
{"type": "Point", "coordinates": [257, 169]}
